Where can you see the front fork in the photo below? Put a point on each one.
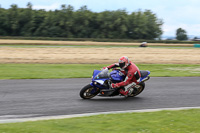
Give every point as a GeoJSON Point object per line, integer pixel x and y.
{"type": "Point", "coordinates": [95, 89]}
{"type": "Point", "coordinates": [109, 84]}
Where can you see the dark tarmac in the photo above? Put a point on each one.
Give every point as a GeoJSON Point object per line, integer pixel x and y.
{"type": "Point", "coordinates": [53, 97]}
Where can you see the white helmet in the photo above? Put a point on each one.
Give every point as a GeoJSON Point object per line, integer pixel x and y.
{"type": "Point", "coordinates": [123, 62]}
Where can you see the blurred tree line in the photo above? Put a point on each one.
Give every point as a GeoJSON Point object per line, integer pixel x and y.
{"type": "Point", "coordinates": [82, 23]}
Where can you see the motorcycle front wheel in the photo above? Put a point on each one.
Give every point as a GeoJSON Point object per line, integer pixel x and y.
{"type": "Point", "coordinates": [86, 92]}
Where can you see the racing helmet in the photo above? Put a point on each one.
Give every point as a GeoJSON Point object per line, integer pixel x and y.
{"type": "Point", "coordinates": [123, 62]}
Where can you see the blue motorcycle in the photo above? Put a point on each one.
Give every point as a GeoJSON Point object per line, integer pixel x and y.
{"type": "Point", "coordinates": [102, 80]}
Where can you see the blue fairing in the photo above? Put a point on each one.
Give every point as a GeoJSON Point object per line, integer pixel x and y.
{"type": "Point", "coordinates": [95, 73]}
{"type": "Point", "coordinates": [144, 76]}
{"type": "Point", "coordinates": [117, 76]}
{"type": "Point", "coordinates": [99, 77]}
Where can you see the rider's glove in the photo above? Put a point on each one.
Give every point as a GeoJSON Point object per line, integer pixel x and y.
{"type": "Point", "coordinates": [104, 68]}
{"type": "Point", "coordinates": [114, 85]}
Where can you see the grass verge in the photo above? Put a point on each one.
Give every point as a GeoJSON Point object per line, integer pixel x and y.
{"type": "Point", "coordinates": [47, 71]}
{"type": "Point", "coordinates": [184, 121]}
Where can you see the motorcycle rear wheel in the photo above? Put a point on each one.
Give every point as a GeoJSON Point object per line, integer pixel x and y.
{"type": "Point", "coordinates": [137, 91]}
{"type": "Point", "coordinates": [85, 92]}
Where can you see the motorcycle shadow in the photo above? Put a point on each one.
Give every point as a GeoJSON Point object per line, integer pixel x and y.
{"type": "Point", "coordinates": [113, 99]}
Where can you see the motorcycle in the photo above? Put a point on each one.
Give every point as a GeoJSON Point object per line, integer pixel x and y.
{"type": "Point", "coordinates": [102, 80]}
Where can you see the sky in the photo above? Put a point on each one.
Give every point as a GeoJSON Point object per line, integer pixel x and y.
{"type": "Point", "coordinates": [175, 14]}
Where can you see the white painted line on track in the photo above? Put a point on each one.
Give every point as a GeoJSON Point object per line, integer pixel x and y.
{"type": "Point", "coordinates": [88, 114]}
{"type": "Point", "coordinates": [17, 116]}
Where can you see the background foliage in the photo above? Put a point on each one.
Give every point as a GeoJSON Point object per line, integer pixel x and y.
{"type": "Point", "coordinates": [82, 23]}
{"type": "Point", "coordinates": [181, 34]}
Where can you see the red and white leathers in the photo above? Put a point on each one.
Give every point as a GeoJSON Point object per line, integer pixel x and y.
{"type": "Point", "coordinates": [132, 75]}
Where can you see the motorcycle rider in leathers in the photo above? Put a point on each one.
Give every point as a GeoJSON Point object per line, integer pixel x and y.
{"type": "Point", "coordinates": [130, 70]}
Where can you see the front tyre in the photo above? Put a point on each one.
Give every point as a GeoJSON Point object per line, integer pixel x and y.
{"type": "Point", "coordinates": [86, 92]}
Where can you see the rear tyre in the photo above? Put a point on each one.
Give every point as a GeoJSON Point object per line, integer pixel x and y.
{"type": "Point", "coordinates": [137, 90]}
{"type": "Point", "coordinates": [85, 92]}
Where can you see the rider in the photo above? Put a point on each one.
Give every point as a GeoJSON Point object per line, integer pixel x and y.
{"type": "Point", "coordinates": [130, 70]}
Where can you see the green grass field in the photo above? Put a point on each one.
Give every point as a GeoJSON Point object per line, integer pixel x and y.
{"type": "Point", "coordinates": [184, 121]}
{"type": "Point", "coordinates": [46, 71]}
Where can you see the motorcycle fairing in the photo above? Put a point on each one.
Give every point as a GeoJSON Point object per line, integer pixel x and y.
{"type": "Point", "coordinates": [95, 73]}
{"type": "Point", "coordinates": [99, 78]}
{"type": "Point", "coordinates": [116, 76]}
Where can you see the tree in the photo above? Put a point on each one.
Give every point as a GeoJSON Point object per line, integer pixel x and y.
{"type": "Point", "coordinates": [29, 5]}
{"type": "Point", "coordinates": [144, 25]}
{"type": "Point", "coordinates": [3, 22]}
{"type": "Point", "coordinates": [26, 22]}
{"type": "Point", "coordinates": [181, 34]}
{"type": "Point", "coordinates": [82, 23]}
{"type": "Point", "coordinates": [12, 20]}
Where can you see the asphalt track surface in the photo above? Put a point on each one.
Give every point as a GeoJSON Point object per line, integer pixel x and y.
{"type": "Point", "coordinates": [53, 97]}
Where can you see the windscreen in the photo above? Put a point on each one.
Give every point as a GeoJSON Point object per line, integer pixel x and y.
{"type": "Point", "coordinates": [103, 74]}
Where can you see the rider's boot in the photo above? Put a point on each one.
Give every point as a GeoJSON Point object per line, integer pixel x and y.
{"type": "Point", "coordinates": [124, 93]}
